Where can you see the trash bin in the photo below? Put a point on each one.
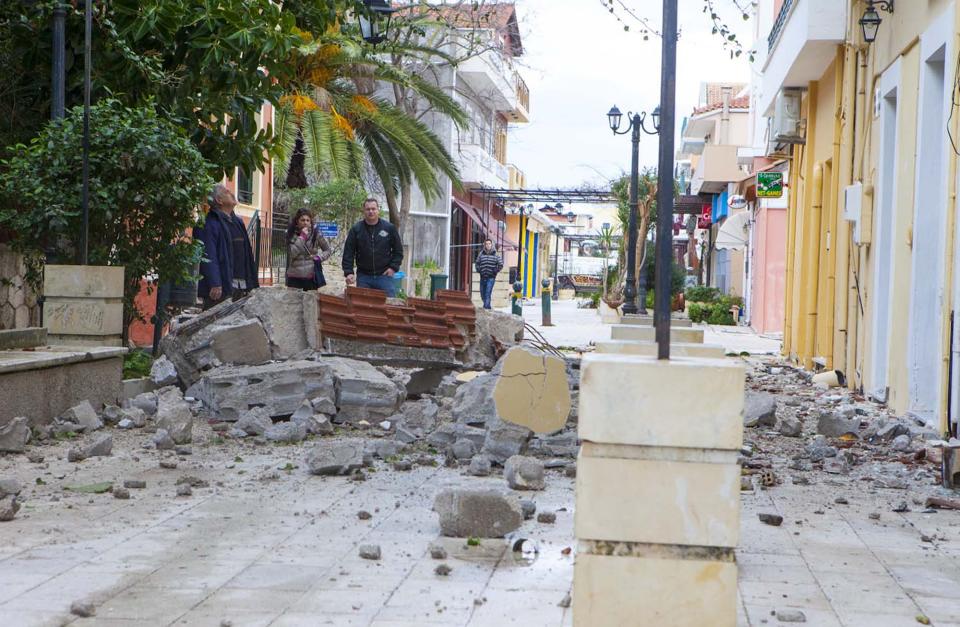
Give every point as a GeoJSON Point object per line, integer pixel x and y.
{"type": "Point", "coordinates": [437, 282]}
{"type": "Point", "coordinates": [398, 281]}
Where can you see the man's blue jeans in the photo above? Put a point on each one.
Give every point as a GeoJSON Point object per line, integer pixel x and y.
{"type": "Point", "coordinates": [486, 291]}
{"type": "Point", "coordinates": [383, 283]}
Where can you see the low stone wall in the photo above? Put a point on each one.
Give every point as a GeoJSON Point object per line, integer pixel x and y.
{"type": "Point", "coordinates": [18, 302]}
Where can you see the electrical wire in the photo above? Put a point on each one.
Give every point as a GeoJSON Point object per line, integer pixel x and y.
{"type": "Point", "coordinates": [953, 106]}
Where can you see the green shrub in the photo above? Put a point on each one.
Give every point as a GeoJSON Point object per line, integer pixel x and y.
{"type": "Point", "coordinates": [718, 315]}
{"type": "Point", "coordinates": [701, 294]}
{"type": "Point", "coordinates": [698, 312]}
{"type": "Point", "coordinates": [136, 364]}
{"type": "Point", "coordinates": [595, 300]}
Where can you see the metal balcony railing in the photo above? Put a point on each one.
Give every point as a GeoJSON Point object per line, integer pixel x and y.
{"type": "Point", "coordinates": [523, 92]}
{"type": "Point", "coordinates": [778, 25]}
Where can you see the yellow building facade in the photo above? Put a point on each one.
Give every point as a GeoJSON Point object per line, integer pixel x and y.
{"type": "Point", "coordinates": [872, 251]}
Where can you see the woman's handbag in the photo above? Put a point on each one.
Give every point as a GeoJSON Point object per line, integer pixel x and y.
{"type": "Point", "coordinates": [318, 277]}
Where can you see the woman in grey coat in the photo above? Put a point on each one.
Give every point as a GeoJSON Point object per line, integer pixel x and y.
{"type": "Point", "coordinates": [306, 247]}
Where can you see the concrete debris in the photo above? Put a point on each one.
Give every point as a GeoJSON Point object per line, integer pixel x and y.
{"type": "Point", "coordinates": [132, 417]}
{"type": "Point", "coordinates": [504, 439]}
{"type": "Point", "coordinates": [565, 601]}
{"type": "Point", "coordinates": [370, 551]}
{"type": "Point", "coordinates": [184, 489]}
{"type": "Point", "coordinates": [532, 390]}
{"type": "Point", "coordinates": [464, 449]}
{"type": "Point", "coordinates": [228, 392]}
{"type": "Point", "coordinates": [447, 434]}
{"type": "Point", "coordinates": [819, 449]}
{"type": "Point", "coordinates": [111, 414]}
{"type": "Point", "coordinates": [570, 470]}
{"type": "Point", "coordinates": [135, 484]}
{"type": "Point", "coordinates": [335, 458]}
{"type": "Point", "coordinates": [473, 403]}
{"type": "Point", "coordinates": [790, 427]}
{"type": "Point", "coordinates": [437, 552]}
{"type": "Point", "coordinates": [14, 435]}
{"type": "Point", "coordinates": [364, 515]}
{"type": "Point", "coordinates": [363, 392]}
{"type": "Point", "coordinates": [528, 507]}
{"type": "Point", "coordinates": [901, 443]}
{"type": "Point", "coordinates": [174, 415]}
{"type": "Point", "coordinates": [162, 440]}
{"type": "Point", "coordinates": [403, 465]}
{"type": "Point", "coordinates": [480, 466]}
{"type": "Point", "coordinates": [8, 508]}
{"type": "Point", "coordinates": [168, 464]}
{"type": "Point", "coordinates": [9, 486]}
{"type": "Point", "coordinates": [74, 455]}
{"type": "Point", "coordinates": [255, 421]}
{"type": "Point", "coordinates": [774, 520]}
{"type": "Point", "coordinates": [286, 432]}
{"type": "Point", "coordinates": [244, 343]}
{"type": "Point", "coordinates": [495, 332]}
{"type": "Point", "coordinates": [791, 616]}
{"type": "Point", "coordinates": [385, 448]}
{"type": "Point", "coordinates": [100, 447]}
{"type": "Point", "coordinates": [163, 372]}
{"type": "Point", "coordinates": [524, 473]}
{"type": "Point", "coordinates": [476, 513]}
{"type": "Point", "coordinates": [83, 609]}
{"type": "Point", "coordinates": [121, 493]}
{"type": "Point", "coordinates": [759, 409]}
{"type": "Point", "coordinates": [547, 518]}
{"type": "Point", "coordinates": [84, 416]}
{"type": "Point", "coordinates": [442, 570]}
{"type": "Point", "coordinates": [835, 423]}
{"type": "Point", "coordinates": [146, 402]}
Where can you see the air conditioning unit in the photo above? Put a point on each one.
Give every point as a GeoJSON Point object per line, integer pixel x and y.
{"type": "Point", "coordinates": [787, 127]}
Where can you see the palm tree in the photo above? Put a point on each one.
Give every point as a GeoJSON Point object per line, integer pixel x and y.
{"type": "Point", "coordinates": [332, 125]}
{"type": "Point", "coordinates": [605, 240]}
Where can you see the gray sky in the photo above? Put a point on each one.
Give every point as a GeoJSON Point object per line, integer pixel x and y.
{"type": "Point", "coordinates": [579, 62]}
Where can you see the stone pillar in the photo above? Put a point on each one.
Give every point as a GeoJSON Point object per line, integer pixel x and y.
{"type": "Point", "coordinates": [83, 305]}
{"type": "Point", "coordinates": [658, 491]}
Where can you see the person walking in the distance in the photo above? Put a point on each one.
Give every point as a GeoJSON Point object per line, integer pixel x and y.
{"type": "Point", "coordinates": [306, 247]}
{"type": "Point", "coordinates": [489, 264]}
{"type": "Point", "coordinates": [374, 246]}
{"type": "Point", "coordinates": [227, 268]}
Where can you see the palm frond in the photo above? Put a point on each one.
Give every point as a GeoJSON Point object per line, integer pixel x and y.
{"type": "Point", "coordinates": [284, 140]}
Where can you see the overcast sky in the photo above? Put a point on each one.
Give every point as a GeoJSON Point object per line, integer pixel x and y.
{"type": "Point", "coordinates": [579, 61]}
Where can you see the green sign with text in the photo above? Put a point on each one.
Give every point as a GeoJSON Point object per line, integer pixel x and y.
{"type": "Point", "coordinates": [769, 184]}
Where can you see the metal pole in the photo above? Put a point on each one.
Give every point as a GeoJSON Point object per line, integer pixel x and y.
{"type": "Point", "coordinates": [630, 289]}
{"type": "Point", "coordinates": [59, 63]}
{"type": "Point", "coordinates": [85, 199]}
{"type": "Point", "coordinates": [556, 265]}
{"type": "Point", "coordinates": [668, 92]}
{"type": "Point", "coordinates": [520, 232]}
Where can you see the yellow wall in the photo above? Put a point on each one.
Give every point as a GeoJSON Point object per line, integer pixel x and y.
{"type": "Point", "coordinates": [829, 277]}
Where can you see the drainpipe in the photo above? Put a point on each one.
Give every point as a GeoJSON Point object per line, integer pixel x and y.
{"type": "Point", "coordinates": [726, 92]}
{"type": "Point", "coordinates": [811, 266]}
{"type": "Point", "coordinates": [950, 370]}
{"type": "Point", "coordinates": [843, 231]}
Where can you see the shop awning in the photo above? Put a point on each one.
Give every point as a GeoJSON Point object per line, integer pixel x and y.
{"type": "Point", "coordinates": [489, 226]}
{"type": "Point", "coordinates": [733, 233]}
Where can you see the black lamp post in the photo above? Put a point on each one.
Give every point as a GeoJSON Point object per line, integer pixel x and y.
{"type": "Point", "coordinates": [370, 22]}
{"type": "Point", "coordinates": [58, 61]}
{"type": "Point", "coordinates": [85, 192]}
{"type": "Point", "coordinates": [870, 22]}
{"type": "Point", "coordinates": [556, 263]}
{"type": "Point", "coordinates": [637, 123]}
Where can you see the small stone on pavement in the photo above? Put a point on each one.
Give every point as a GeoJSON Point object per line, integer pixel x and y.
{"type": "Point", "coordinates": [370, 551]}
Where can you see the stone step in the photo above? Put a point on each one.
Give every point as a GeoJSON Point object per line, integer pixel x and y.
{"type": "Point", "coordinates": [643, 333]}
{"type": "Point", "coordinates": [648, 320]}
{"type": "Point", "coordinates": [649, 349]}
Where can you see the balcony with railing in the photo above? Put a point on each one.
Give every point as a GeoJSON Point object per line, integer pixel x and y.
{"type": "Point", "coordinates": [479, 167]}
{"type": "Point", "coordinates": [800, 46]}
{"type": "Point", "coordinates": [491, 75]}
{"type": "Point", "coordinates": [521, 111]}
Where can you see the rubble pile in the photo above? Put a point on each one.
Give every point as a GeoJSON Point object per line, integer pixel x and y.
{"type": "Point", "coordinates": [797, 428]}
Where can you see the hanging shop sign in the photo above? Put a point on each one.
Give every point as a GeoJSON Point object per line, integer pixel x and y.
{"type": "Point", "coordinates": [769, 184]}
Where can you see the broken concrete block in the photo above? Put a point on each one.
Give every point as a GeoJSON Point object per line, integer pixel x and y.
{"type": "Point", "coordinates": [136, 417]}
{"type": "Point", "coordinates": [14, 435]}
{"type": "Point", "coordinates": [524, 473]}
{"type": "Point", "coordinates": [473, 403]}
{"type": "Point", "coordinates": [759, 409]}
{"type": "Point", "coordinates": [147, 402]}
{"type": "Point", "coordinates": [790, 427]}
{"type": "Point", "coordinates": [335, 458]}
{"type": "Point", "coordinates": [8, 508]}
{"type": "Point", "coordinates": [504, 439]}
{"type": "Point", "coordinates": [255, 421]}
{"type": "Point", "coordinates": [9, 486]}
{"type": "Point", "coordinates": [280, 388]}
{"type": "Point", "coordinates": [445, 435]}
{"type": "Point", "coordinates": [162, 440]}
{"type": "Point", "coordinates": [289, 318]}
{"type": "Point", "coordinates": [363, 392]}
{"type": "Point", "coordinates": [420, 416]}
{"type": "Point", "coordinates": [174, 415]}
{"type": "Point", "coordinates": [495, 332]}
{"type": "Point", "coordinates": [163, 372]}
{"type": "Point", "coordinates": [480, 466]}
{"type": "Point", "coordinates": [111, 414]}
{"type": "Point", "coordinates": [370, 551]}
{"type": "Point", "coordinates": [83, 415]}
{"type": "Point", "coordinates": [286, 432]}
{"type": "Point", "coordinates": [477, 513]}
{"type": "Point", "coordinates": [464, 449]}
{"type": "Point", "coordinates": [833, 424]}
{"type": "Point", "coordinates": [100, 447]}
{"type": "Point", "coordinates": [244, 343]}
{"type": "Point", "coordinates": [533, 390]}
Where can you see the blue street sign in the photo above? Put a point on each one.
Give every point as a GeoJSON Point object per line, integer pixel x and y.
{"type": "Point", "coordinates": [328, 229]}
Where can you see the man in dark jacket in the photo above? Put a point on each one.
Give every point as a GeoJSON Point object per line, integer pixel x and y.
{"type": "Point", "coordinates": [489, 264]}
{"type": "Point", "coordinates": [227, 268]}
{"type": "Point", "coordinates": [375, 246]}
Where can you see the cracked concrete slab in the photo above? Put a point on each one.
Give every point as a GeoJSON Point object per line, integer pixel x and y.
{"type": "Point", "coordinates": [533, 390]}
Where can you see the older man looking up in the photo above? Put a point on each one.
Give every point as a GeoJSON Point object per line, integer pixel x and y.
{"type": "Point", "coordinates": [228, 268]}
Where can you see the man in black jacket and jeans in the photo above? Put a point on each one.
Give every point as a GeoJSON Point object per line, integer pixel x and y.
{"type": "Point", "coordinates": [375, 246]}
